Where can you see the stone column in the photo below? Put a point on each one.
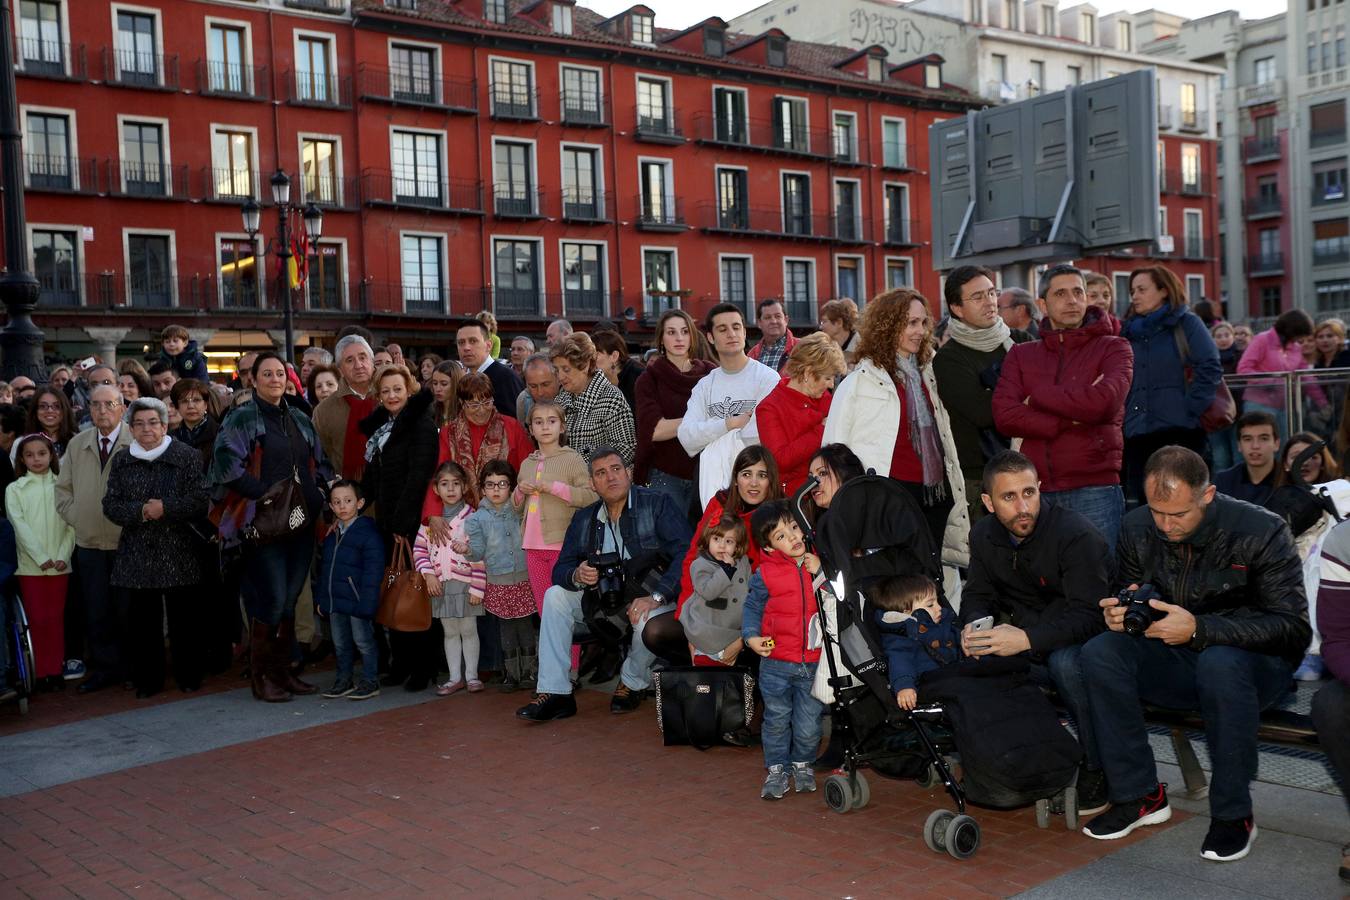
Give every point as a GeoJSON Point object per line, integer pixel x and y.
{"type": "Point", "coordinates": [106, 341]}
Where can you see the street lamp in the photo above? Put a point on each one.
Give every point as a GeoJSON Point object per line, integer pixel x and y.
{"type": "Point", "coordinates": [20, 340]}
{"type": "Point", "coordinates": [281, 244]}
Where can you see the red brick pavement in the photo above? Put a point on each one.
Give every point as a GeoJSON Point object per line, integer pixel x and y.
{"type": "Point", "coordinates": [454, 797]}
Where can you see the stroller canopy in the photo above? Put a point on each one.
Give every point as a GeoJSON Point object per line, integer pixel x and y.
{"type": "Point", "coordinates": [874, 529]}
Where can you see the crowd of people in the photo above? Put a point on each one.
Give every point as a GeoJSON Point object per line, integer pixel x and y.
{"type": "Point", "coordinates": [1058, 456]}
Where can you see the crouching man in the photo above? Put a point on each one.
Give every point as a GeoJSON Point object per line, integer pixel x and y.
{"type": "Point", "coordinates": [1231, 625]}
{"type": "Point", "coordinates": [634, 523]}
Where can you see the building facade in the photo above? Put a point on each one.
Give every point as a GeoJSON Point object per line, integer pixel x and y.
{"type": "Point", "coordinates": [533, 159]}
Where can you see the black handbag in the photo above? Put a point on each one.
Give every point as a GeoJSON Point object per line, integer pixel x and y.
{"type": "Point", "coordinates": [696, 705]}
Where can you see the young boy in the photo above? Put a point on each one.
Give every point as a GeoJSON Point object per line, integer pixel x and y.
{"type": "Point", "coordinates": [916, 633]}
{"type": "Point", "coordinates": [179, 350]}
{"type": "Point", "coordinates": [781, 624]}
{"type": "Point", "coordinates": [347, 590]}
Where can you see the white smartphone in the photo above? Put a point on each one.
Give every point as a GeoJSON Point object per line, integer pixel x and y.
{"type": "Point", "coordinates": [983, 624]}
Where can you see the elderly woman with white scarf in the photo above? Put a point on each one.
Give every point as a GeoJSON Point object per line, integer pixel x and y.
{"type": "Point", "coordinates": [155, 489]}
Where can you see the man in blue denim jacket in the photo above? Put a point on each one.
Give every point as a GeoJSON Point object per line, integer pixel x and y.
{"type": "Point", "coordinates": [629, 521]}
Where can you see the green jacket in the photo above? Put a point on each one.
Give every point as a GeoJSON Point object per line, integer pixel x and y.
{"type": "Point", "coordinates": [965, 381]}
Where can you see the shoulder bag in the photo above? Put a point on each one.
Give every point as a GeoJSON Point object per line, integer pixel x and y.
{"type": "Point", "coordinates": [405, 604]}
{"type": "Point", "coordinates": [697, 705]}
{"type": "Point", "coordinates": [1222, 410]}
{"type": "Point", "coordinates": [280, 512]}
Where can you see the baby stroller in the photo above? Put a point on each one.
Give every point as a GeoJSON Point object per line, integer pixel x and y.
{"type": "Point", "coordinates": [16, 655]}
{"type": "Point", "coordinates": [874, 530]}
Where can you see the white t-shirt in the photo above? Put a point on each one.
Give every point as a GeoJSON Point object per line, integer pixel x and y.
{"type": "Point", "coordinates": [719, 396]}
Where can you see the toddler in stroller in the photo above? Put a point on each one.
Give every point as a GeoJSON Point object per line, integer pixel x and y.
{"type": "Point", "coordinates": [916, 634]}
{"type": "Point", "coordinates": [1012, 747]}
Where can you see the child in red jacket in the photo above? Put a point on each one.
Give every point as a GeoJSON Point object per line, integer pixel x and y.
{"type": "Point", "coordinates": [781, 623]}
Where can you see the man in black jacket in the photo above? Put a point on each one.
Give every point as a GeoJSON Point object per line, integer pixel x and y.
{"type": "Point", "coordinates": [1225, 640]}
{"type": "Point", "coordinates": [1039, 570]}
{"type": "Point", "coordinates": [471, 340]}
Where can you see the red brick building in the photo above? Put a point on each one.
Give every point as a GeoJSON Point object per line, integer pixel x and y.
{"type": "Point", "coordinates": [530, 158]}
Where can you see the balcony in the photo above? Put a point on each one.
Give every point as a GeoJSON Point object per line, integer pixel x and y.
{"type": "Point", "coordinates": [514, 102]}
{"type": "Point", "coordinates": [1196, 248]}
{"type": "Point", "coordinates": [517, 201]}
{"type": "Point", "coordinates": [763, 222]}
{"type": "Point", "coordinates": [764, 135]}
{"type": "Point", "coordinates": [1266, 92]}
{"type": "Point", "coordinates": [895, 156]}
{"type": "Point", "coordinates": [381, 187]}
{"type": "Point", "coordinates": [664, 214]}
{"type": "Point", "coordinates": [1260, 207]}
{"type": "Point", "coordinates": [151, 71]}
{"type": "Point", "coordinates": [60, 174]}
{"type": "Point", "coordinates": [1165, 119]}
{"type": "Point", "coordinates": [1331, 253]}
{"type": "Point", "coordinates": [899, 233]}
{"type": "Point", "coordinates": [585, 206]}
{"type": "Point", "coordinates": [1194, 121]}
{"type": "Point", "coordinates": [117, 290]}
{"type": "Point", "coordinates": [1329, 194]}
{"type": "Point", "coordinates": [228, 185]}
{"type": "Point", "coordinates": [579, 304]}
{"type": "Point", "coordinates": [516, 303]}
{"type": "Point", "coordinates": [1196, 185]}
{"type": "Point", "coordinates": [51, 59]}
{"type": "Point", "coordinates": [317, 90]}
{"type": "Point", "coordinates": [147, 181]}
{"type": "Point", "coordinates": [333, 7]}
{"type": "Point", "coordinates": [403, 88]}
{"type": "Point", "coordinates": [420, 299]}
{"type": "Point", "coordinates": [1326, 137]}
{"type": "Point", "coordinates": [327, 191]}
{"type": "Point", "coordinates": [1328, 78]}
{"type": "Point", "coordinates": [850, 229]}
{"type": "Point", "coordinates": [584, 111]}
{"type": "Point", "coordinates": [1259, 149]}
{"type": "Point", "coordinates": [656, 128]}
{"type": "Point", "coordinates": [232, 81]}
{"type": "Point", "coordinates": [1265, 264]}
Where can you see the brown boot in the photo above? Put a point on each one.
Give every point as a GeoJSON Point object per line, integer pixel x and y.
{"type": "Point", "coordinates": [265, 686]}
{"type": "Point", "coordinates": [281, 660]}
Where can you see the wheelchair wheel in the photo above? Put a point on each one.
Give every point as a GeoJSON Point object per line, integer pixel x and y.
{"type": "Point", "coordinates": [862, 793]}
{"type": "Point", "coordinates": [962, 837]}
{"type": "Point", "coordinates": [935, 829]}
{"type": "Point", "coordinates": [839, 795]}
{"type": "Point", "coordinates": [23, 640]}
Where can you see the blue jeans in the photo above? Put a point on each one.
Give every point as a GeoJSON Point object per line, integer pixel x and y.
{"type": "Point", "coordinates": [273, 576]}
{"type": "Point", "coordinates": [680, 490]}
{"type": "Point", "coordinates": [1063, 668]}
{"type": "Point", "coordinates": [350, 634]}
{"type": "Point", "coordinates": [791, 731]}
{"type": "Point", "coordinates": [1102, 506]}
{"type": "Point", "coordinates": [558, 621]}
{"type": "Point", "coordinates": [1228, 685]}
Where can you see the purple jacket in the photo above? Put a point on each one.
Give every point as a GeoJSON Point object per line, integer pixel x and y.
{"type": "Point", "coordinates": [1333, 602]}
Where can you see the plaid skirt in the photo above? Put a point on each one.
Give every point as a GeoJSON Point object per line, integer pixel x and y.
{"type": "Point", "coordinates": [509, 601]}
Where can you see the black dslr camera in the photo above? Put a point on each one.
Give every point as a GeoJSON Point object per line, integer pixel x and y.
{"type": "Point", "coordinates": [604, 605]}
{"type": "Point", "coordinates": [1138, 614]}
{"type": "Point", "coordinates": [608, 593]}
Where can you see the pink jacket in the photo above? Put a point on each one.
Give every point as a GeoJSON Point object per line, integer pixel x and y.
{"type": "Point", "coordinates": [442, 561]}
{"type": "Point", "coordinates": [1264, 354]}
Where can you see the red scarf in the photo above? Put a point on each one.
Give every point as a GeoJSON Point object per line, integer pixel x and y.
{"type": "Point", "coordinates": [492, 443]}
{"type": "Point", "coordinates": [354, 442]}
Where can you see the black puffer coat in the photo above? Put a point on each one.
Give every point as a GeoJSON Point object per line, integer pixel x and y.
{"type": "Point", "coordinates": [162, 553]}
{"type": "Point", "coordinates": [1239, 574]}
{"type": "Point", "coordinates": [395, 481]}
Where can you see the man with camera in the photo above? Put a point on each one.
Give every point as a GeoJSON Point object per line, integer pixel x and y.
{"type": "Point", "coordinates": [616, 560]}
{"type": "Point", "coordinates": [1212, 616]}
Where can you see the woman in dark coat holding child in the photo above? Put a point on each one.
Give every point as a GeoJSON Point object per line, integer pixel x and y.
{"type": "Point", "coordinates": [155, 488]}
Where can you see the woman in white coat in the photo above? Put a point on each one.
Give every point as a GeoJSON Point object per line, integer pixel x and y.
{"type": "Point", "coordinates": [889, 413]}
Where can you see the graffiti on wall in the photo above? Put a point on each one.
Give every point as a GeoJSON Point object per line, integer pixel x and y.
{"type": "Point", "coordinates": [902, 37]}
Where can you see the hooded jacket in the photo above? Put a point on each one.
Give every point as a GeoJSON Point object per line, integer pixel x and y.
{"type": "Point", "coordinates": [351, 567]}
{"type": "Point", "coordinates": [1077, 380]}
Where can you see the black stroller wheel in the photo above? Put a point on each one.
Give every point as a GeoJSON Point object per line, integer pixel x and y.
{"type": "Point", "coordinates": [930, 778]}
{"type": "Point", "coordinates": [1071, 808]}
{"type": "Point", "coordinates": [935, 829]}
{"type": "Point", "coordinates": [839, 795]}
{"type": "Point", "coordinates": [1042, 813]}
{"type": "Point", "coordinates": [862, 793]}
{"type": "Point", "coordinates": [962, 837]}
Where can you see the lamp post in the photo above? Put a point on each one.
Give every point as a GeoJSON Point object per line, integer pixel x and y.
{"type": "Point", "coordinates": [281, 244]}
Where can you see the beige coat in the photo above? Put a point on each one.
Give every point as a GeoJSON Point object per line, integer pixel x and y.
{"type": "Point", "coordinates": [330, 422]}
{"type": "Point", "coordinates": [555, 514]}
{"type": "Point", "coordinates": [80, 488]}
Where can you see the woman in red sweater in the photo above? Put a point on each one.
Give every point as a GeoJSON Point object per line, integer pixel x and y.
{"type": "Point", "coordinates": [791, 419]}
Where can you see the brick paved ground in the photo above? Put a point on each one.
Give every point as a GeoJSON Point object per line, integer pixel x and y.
{"type": "Point", "coordinates": [455, 796]}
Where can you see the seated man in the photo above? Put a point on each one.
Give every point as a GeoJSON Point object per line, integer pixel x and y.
{"type": "Point", "coordinates": [1040, 570]}
{"type": "Point", "coordinates": [1225, 638]}
{"type": "Point", "coordinates": [1253, 479]}
{"type": "Point", "coordinates": [647, 522]}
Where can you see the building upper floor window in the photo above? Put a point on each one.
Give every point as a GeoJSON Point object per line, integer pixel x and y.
{"type": "Point", "coordinates": [1075, 75]}
{"type": "Point", "coordinates": [1124, 36]}
{"type": "Point", "coordinates": [1190, 167]}
{"type": "Point", "coordinates": [56, 265]}
{"type": "Point", "coordinates": [512, 89]}
{"type": "Point", "coordinates": [422, 271]}
{"type": "Point", "coordinates": [876, 68]}
{"type": "Point", "coordinates": [845, 142]}
{"type": "Point", "coordinates": [790, 124]}
{"type": "Point", "coordinates": [318, 171]}
{"type": "Point", "coordinates": [1329, 181]}
{"type": "Point", "coordinates": [1000, 64]}
{"type": "Point", "coordinates": [1010, 14]}
{"type": "Point", "coordinates": [776, 51]}
{"type": "Point", "coordinates": [1264, 70]}
{"type": "Point", "coordinates": [137, 52]}
{"type": "Point", "coordinates": [562, 19]}
{"type": "Point", "coordinates": [1087, 28]}
{"type": "Point", "coordinates": [314, 70]}
{"type": "Point", "coordinates": [714, 42]}
{"type": "Point", "coordinates": [1048, 21]}
{"type": "Point", "coordinates": [581, 95]}
{"type": "Point", "coordinates": [149, 270]}
{"type": "Point", "coordinates": [653, 105]}
{"type": "Point", "coordinates": [932, 75]}
{"type": "Point", "coordinates": [143, 158]}
{"type": "Point", "coordinates": [412, 73]}
{"type": "Point", "coordinates": [1190, 113]}
{"type": "Point", "coordinates": [495, 11]}
{"type": "Point", "coordinates": [1037, 76]}
{"type": "Point", "coordinates": [227, 59]}
{"type": "Point", "coordinates": [893, 143]}
{"type": "Point", "coordinates": [47, 142]}
{"type": "Point", "coordinates": [729, 107]}
{"type": "Point", "coordinates": [232, 160]}
{"type": "Point", "coordinates": [416, 158]}
{"type": "Point", "coordinates": [643, 27]}
{"type": "Point", "coordinates": [41, 44]}
{"type": "Point", "coordinates": [1326, 123]}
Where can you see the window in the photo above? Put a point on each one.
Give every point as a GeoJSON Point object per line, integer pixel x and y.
{"type": "Point", "coordinates": [516, 275]}
{"type": "Point", "coordinates": [1333, 295]}
{"type": "Point", "coordinates": [896, 213]}
{"type": "Point", "coordinates": [137, 59]}
{"type": "Point", "coordinates": [729, 106]}
{"type": "Point", "coordinates": [513, 177]}
{"type": "Point", "coordinates": [1122, 291]}
{"type": "Point", "coordinates": [323, 285]}
{"type": "Point", "coordinates": [1048, 21]}
{"type": "Point", "coordinates": [1272, 303]}
{"type": "Point", "coordinates": [897, 275]}
{"type": "Point", "coordinates": [732, 208]}
{"type": "Point", "coordinates": [149, 275]}
{"type": "Point", "coordinates": [790, 126]}
{"type": "Point", "coordinates": [848, 276]}
{"type": "Point", "coordinates": [796, 204]}
{"type": "Point", "coordinates": [580, 197]}
{"type": "Point", "coordinates": [876, 68]}
{"type": "Point", "coordinates": [845, 145]}
{"type": "Point", "coordinates": [1264, 128]}
{"type": "Point", "coordinates": [1194, 243]}
{"type": "Point", "coordinates": [1124, 37]}
{"type": "Point", "coordinates": [583, 279]}
{"type": "Point", "coordinates": [581, 95]}
{"type": "Point", "coordinates": [1264, 70]}
{"type": "Point", "coordinates": [1312, 53]}
{"type": "Point", "coordinates": [143, 158]}
{"type": "Point", "coordinates": [1331, 241]}
{"type": "Point", "coordinates": [416, 159]}
{"type": "Point", "coordinates": [847, 212]}
{"type": "Point", "coordinates": [238, 274]}
{"type": "Point", "coordinates": [47, 140]}
{"type": "Point", "coordinates": [423, 273]}
{"type": "Point", "coordinates": [1195, 287]}
{"type": "Point", "coordinates": [40, 42]}
{"type": "Point", "coordinates": [1190, 168]}
{"type": "Point", "coordinates": [1000, 63]}
{"type": "Point", "coordinates": [658, 201]}
{"type": "Point", "coordinates": [562, 19]}
{"type": "Point", "coordinates": [1009, 20]}
{"type": "Point", "coordinates": [1037, 76]}
{"type": "Point", "coordinates": [775, 51]}
{"type": "Point", "coordinates": [1326, 123]}
{"type": "Point", "coordinates": [313, 71]}
{"type": "Point", "coordinates": [318, 171]}
{"type": "Point", "coordinates": [1267, 193]}
{"type": "Point", "coordinates": [893, 151]}
{"type": "Point", "coordinates": [1190, 116]}
{"type": "Point", "coordinates": [1326, 48]}
{"type": "Point", "coordinates": [1087, 28]}
{"type": "Point", "coordinates": [412, 73]}
{"type": "Point", "coordinates": [799, 281]}
{"type": "Point", "coordinates": [714, 42]}
{"type": "Point", "coordinates": [653, 106]}
{"type": "Point", "coordinates": [659, 280]}
{"type": "Point", "coordinates": [932, 76]}
{"type": "Point", "coordinates": [1340, 45]}
{"type": "Point", "coordinates": [512, 89]}
{"type": "Point", "coordinates": [56, 265]}
{"type": "Point", "coordinates": [1328, 181]}
{"type": "Point", "coordinates": [735, 279]}
{"type": "Point", "coordinates": [642, 28]}
{"type": "Point", "coordinates": [1075, 75]}
{"type": "Point", "coordinates": [226, 60]}
{"type": "Point", "coordinates": [232, 160]}
{"type": "Point", "coordinates": [495, 11]}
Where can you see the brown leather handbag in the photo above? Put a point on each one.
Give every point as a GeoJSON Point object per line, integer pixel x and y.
{"type": "Point", "coordinates": [280, 512]}
{"type": "Point", "coordinates": [405, 603]}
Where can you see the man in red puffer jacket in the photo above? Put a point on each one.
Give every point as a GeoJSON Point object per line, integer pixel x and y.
{"type": "Point", "coordinates": [1064, 396]}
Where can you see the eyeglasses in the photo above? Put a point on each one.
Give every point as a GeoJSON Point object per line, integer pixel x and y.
{"type": "Point", "coordinates": [104, 404]}
{"type": "Point", "coordinates": [478, 404]}
{"type": "Point", "coordinates": [49, 407]}
{"type": "Point", "coordinates": [991, 294]}
{"type": "Point", "coordinates": [495, 483]}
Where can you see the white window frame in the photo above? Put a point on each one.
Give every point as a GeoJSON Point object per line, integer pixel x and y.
{"type": "Point", "coordinates": [116, 8]}
{"type": "Point", "coordinates": [343, 264]}
{"type": "Point", "coordinates": [1199, 216]}
{"type": "Point", "coordinates": [336, 139]}
{"type": "Point", "coordinates": [674, 252]}
{"type": "Point", "coordinates": [542, 267]}
{"type": "Point", "coordinates": [815, 278]}
{"type": "Point", "coordinates": [718, 168]}
{"type": "Point", "coordinates": [534, 186]}
{"type": "Point", "coordinates": [853, 154]}
{"type": "Point", "coordinates": [716, 113]}
{"type": "Point", "coordinates": [858, 217]}
{"type": "Point", "coordinates": [562, 269]}
{"type": "Point", "coordinates": [263, 282]}
{"type": "Point", "coordinates": [1193, 295]}
{"type": "Point", "coordinates": [861, 260]}
{"type": "Point", "coordinates": [904, 139]}
{"type": "Point", "coordinates": [242, 25]}
{"type": "Point", "coordinates": [79, 250]}
{"type": "Point", "coordinates": [599, 85]}
{"type": "Point", "coordinates": [330, 38]}
{"type": "Point", "coordinates": [532, 91]}
{"type": "Point", "coordinates": [443, 164]}
{"type": "Point", "coordinates": [806, 118]}
{"type": "Point", "coordinates": [65, 37]}
{"type": "Point", "coordinates": [163, 124]}
{"type": "Point", "coordinates": [669, 165]}
{"type": "Point", "coordinates": [904, 212]}
{"type": "Point", "coordinates": [562, 19]}
{"type": "Point", "coordinates": [255, 173]}
{"type": "Point", "coordinates": [885, 273]}
{"type": "Point", "coordinates": [651, 26]}
{"type": "Point", "coordinates": [639, 77]}
{"type": "Point", "coordinates": [750, 295]}
{"type": "Point", "coordinates": [173, 259]}
{"type": "Point", "coordinates": [71, 131]}
{"type": "Point", "coordinates": [444, 281]}
{"type": "Point", "coordinates": [563, 146]}
{"type": "Point", "coordinates": [437, 63]}
{"type": "Point", "coordinates": [810, 198]}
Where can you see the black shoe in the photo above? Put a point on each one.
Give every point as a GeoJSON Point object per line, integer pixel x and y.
{"type": "Point", "coordinates": [96, 682]}
{"type": "Point", "coordinates": [1228, 839]}
{"type": "Point", "coordinates": [1092, 797]}
{"type": "Point", "coordinates": [547, 707]}
{"type": "Point", "coordinates": [740, 737]}
{"type": "Point", "coordinates": [625, 699]}
{"type": "Point", "coordinates": [393, 679]}
{"type": "Point", "coordinates": [1122, 818]}
{"type": "Point", "coordinates": [145, 693]}
{"type": "Point", "coordinates": [417, 683]}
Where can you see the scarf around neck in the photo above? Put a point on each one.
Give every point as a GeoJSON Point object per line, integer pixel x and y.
{"type": "Point", "coordinates": [353, 441]}
{"type": "Point", "coordinates": [981, 340]}
{"type": "Point", "coordinates": [494, 445]}
{"type": "Point", "coordinates": [923, 433]}
{"type": "Point", "coordinates": [375, 443]}
{"type": "Point", "coordinates": [152, 454]}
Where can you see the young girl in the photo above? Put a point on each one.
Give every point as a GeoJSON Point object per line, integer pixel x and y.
{"type": "Point", "coordinates": [45, 543]}
{"type": "Point", "coordinates": [456, 585]}
{"type": "Point", "coordinates": [494, 537]}
{"type": "Point", "coordinates": [721, 577]}
{"type": "Point", "coordinates": [554, 483]}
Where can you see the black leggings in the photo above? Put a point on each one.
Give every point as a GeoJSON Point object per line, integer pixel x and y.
{"type": "Point", "coordinates": [519, 636]}
{"type": "Point", "coordinates": [664, 636]}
